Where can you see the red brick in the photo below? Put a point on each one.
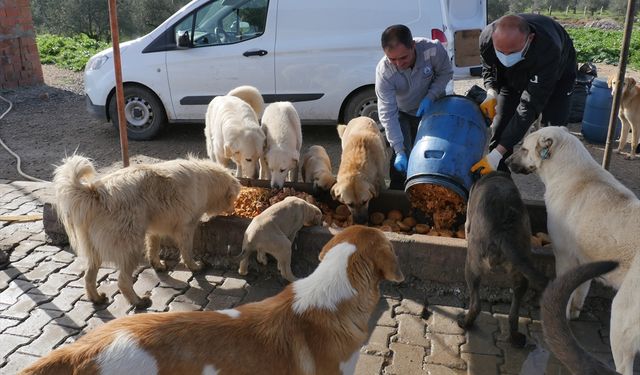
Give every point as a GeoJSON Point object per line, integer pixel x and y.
{"type": "Point", "coordinates": [12, 12]}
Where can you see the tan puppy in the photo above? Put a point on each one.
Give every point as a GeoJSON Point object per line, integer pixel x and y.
{"type": "Point", "coordinates": [591, 217]}
{"type": "Point", "coordinates": [629, 114]}
{"type": "Point", "coordinates": [281, 125]}
{"type": "Point", "coordinates": [274, 230]}
{"type": "Point", "coordinates": [315, 325]}
{"type": "Point", "coordinates": [232, 130]}
{"type": "Point", "coordinates": [363, 166]}
{"type": "Point", "coordinates": [107, 218]}
{"type": "Point", "coordinates": [316, 169]}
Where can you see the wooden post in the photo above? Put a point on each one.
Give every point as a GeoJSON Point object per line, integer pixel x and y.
{"type": "Point", "coordinates": [122, 119]}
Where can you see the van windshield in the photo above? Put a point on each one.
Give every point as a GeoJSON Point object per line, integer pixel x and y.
{"type": "Point", "coordinates": [224, 22]}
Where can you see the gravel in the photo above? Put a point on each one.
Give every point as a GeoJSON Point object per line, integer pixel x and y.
{"type": "Point", "coordinates": [50, 121]}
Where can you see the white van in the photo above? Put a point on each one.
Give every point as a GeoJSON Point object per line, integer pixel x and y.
{"type": "Point", "coordinates": [319, 54]}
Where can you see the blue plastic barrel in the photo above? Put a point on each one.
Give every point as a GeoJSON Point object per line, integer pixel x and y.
{"type": "Point", "coordinates": [597, 110]}
{"type": "Point", "coordinates": [451, 138]}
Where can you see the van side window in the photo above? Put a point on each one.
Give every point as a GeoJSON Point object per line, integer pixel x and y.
{"type": "Point", "coordinates": [224, 22]}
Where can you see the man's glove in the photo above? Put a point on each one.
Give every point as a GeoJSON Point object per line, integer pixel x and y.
{"type": "Point", "coordinates": [487, 164]}
{"type": "Point", "coordinates": [401, 161]}
{"type": "Point", "coordinates": [425, 104]}
{"type": "Point", "coordinates": [488, 106]}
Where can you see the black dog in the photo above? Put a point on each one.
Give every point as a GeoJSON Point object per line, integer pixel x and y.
{"type": "Point", "coordinates": [499, 235]}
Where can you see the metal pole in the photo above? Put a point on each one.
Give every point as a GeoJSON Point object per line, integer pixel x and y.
{"type": "Point", "coordinates": [617, 95]}
{"type": "Point", "coordinates": [122, 120]}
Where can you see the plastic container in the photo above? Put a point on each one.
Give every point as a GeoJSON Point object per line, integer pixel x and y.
{"type": "Point", "coordinates": [595, 121]}
{"type": "Point", "coordinates": [451, 138]}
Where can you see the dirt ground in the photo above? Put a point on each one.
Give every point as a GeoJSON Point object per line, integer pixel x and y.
{"type": "Point", "coordinates": [50, 121]}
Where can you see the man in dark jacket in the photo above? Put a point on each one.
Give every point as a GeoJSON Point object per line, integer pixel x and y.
{"type": "Point", "coordinates": [529, 68]}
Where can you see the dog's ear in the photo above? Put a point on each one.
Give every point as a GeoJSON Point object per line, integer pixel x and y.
{"type": "Point", "coordinates": [387, 263]}
{"type": "Point", "coordinates": [632, 82]}
{"type": "Point", "coordinates": [341, 129]}
{"type": "Point", "coordinates": [373, 191]}
{"type": "Point", "coordinates": [543, 148]}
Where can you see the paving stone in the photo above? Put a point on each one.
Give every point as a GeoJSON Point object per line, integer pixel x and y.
{"type": "Point", "coordinates": [76, 267]}
{"type": "Point", "coordinates": [232, 287]}
{"type": "Point", "coordinates": [6, 276]}
{"type": "Point", "coordinates": [390, 290]}
{"type": "Point", "coordinates": [94, 322]}
{"type": "Point", "coordinates": [147, 280]}
{"type": "Point", "coordinates": [480, 338]}
{"type": "Point", "coordinates": [26, 302]}
{"type": "Point", "coordinates": [7, 323]}
{"type": "Point", "coordinates": [10, 241]}
{"type": "Point", "coordinates": [221, 302]}
{"type": "Point", "coordinates": [200, 281]}
{"type": "Point", "coordinates": [15, 289]}
{"type": "Point", "coordinates": [503, 324]}
{"type": "Point", "coordinates": [443, 320]}
{"type": "Point", "coordinates": [478, 364]}
{"type": "Point", "coordinates": [54, 284]}
{"type": "Point", "coordinates": [445, 350]}
{"type": "Point", "coordinates": [65, 300]}
{"type": "Point", "coordinates": [118, 308]}
{"type": "Point", "coordinates": [369, 365]}
{"type": "Point", "coordinates": [38, 237]}
{"type": "Point", "coordinates": [193, 296]}
{"type": "Point", "coordinates": [446, 300]}
{"type": "Point", "coordinates": [52, 335]}
{"type": "Point", "coordinates": [43, 270]}
{"type": "Point", "coordinates": [432, 369]}
{"type": "Point", "coordinates": [411, 330]}
{"type": "Point", "coordinates": [16, 362]}
{"type": "Point", "coordinates": [160, 298]}
{"type": "Point", "coordinates": [378, 343]}
{"type": "Point", "coordinates": [384, 312]}
{"type": "Point", "coordinates": [182, 273]}
{"type": "Point", "coordinates": [10, 343]}
{"type": "Point", "coordinates": [77, 317]}
{"type": "Point", "coordinates": [409, 306]}
{"type": "Point", "coordinates": [109, 288]}
{"type": "Point", "coordinates": [23, 249]}
{"type": "Point", "coordinates": [32, 326]}
{"type": "Point", "coordinates": [407, 360]}
{"type": "Point", "coordinates": [183, 306]}
{"type": "Point", "coordinates": [31, 260]}
{"type": "Point", "coordinates": [63, 256]}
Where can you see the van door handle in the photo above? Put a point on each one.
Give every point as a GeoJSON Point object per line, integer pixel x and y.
{"type": "Point", "coordinates": [255, 52]}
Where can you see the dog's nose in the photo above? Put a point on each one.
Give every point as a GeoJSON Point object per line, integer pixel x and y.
{"type": "Point", "coordinates": [276, 186]}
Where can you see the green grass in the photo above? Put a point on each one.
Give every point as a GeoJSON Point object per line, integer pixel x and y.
{"type": "Point", "coordinates": [603, 46]}
{"type": "Point", "coordinates": [68, 52]}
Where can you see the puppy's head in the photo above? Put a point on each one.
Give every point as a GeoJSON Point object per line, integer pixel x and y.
{"type": "Point", "coordinates": [223, 190]}
{"type": "Point", "coordinates": [374, 258]}
{"type": "Point", "coordinates": [312, 215]}
{"type": "Point", "coordinates": [628, 84]}
{"type": "Point", "coordinates": [356, 194]}
{"type": "Point", "coordinates": [536, 148]}
{"type": "Point", "coordinates": [280, 162]}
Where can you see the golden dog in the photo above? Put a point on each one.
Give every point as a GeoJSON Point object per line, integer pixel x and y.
{"type": "Point", "coordinates": [316, 169]}
{"type": "Point", "coordinates": [274, 230]}
{"type": "Point", "coordinates": [315, 325]}
{"type": "Point", "coordinates": [629, 114]}
{"type": "Point", "coordinates": [107, 218]}
{"type": "Point", "coordinates": [363, 166]}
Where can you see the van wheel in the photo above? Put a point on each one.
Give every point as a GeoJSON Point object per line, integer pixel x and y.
{"type": "Point", "coordinates": [364, 103]}
{"type": "Point", "coordinates": [144, 112]}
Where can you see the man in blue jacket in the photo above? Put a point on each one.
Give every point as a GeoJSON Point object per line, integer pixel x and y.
{"type": "Point", "coordinates": [529, 68]}
{"type": "Point", "coordinates": [412, 74]}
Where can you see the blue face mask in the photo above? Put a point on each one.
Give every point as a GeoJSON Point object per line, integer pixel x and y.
{"type": "Point", "coordinates": [513, 58]}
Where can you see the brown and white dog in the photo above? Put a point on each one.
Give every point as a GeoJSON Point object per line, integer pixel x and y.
{"type": "Point", "coordinates": [629, 113]}
{"type": "Point", "coordinates": [111, 218]}
{"type": "Point", "coordinates": [363, 166]}
{"type": "Point", "coordinates": [316, 169]}
{"type": "Point", "coordinates": [314, 326]}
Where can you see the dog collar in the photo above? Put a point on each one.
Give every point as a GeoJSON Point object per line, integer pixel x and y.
{"type": "Point", "coordinates": [545, 154]}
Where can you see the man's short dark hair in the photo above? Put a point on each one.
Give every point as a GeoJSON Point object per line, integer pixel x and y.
{"type": "Point", "coordinates": [396, 34]}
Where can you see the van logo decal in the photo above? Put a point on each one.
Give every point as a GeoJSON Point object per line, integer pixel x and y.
{"type": "Point", "coordinates": [534, 79]}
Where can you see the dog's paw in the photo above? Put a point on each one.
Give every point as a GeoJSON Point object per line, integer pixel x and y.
{"type": "Point", "coordinates": [143, 304]}
{"type": "Point", "coordinates": [462, 321]}
{"type": "Point", "coordinates": [517, 340]}
{"type": "Point", "coordinates": [243, 271]}
{"type": "Point", "coordinates": [630, 157]}
{"type": "Point", "coordinates": [196, 266]}
{"type": "Point", "coordinates": [160, 266]}
{"type": "Point", "coordinates": [100, 300]}
{"type": "Point", "coordinates": [617, 151]}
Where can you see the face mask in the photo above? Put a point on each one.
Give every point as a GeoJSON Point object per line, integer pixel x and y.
{"type": "Point", "coordinates": [513, 58]}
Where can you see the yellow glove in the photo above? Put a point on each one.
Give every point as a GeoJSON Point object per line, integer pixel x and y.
{"type": "Point", "coordinates": [487, 164]}
{"type": "Point", "coordinates": [488, 106]}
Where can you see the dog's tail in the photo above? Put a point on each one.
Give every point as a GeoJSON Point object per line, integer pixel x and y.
{"type": "Point", "coordinates": [557, 332]}
{"type": "Point", "coordinates": [252, 96]}
{"type": "Point", "coordinates": [75, 193]}
{"type": "Point", "coordinates": [58, 362]}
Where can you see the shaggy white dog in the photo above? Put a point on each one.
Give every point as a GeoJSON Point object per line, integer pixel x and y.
{"type": "Point", "coordinates": [281, 125]}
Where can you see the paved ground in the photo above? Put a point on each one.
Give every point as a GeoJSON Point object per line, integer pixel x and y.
{"type": "Point", "coordinates": [413, 331]}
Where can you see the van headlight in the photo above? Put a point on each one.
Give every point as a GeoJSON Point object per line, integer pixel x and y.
{"type": "Point", "coordinates": [96, 63]}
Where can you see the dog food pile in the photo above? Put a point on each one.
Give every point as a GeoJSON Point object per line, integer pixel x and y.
{"type": "Point", "coordinates": [445, 207]}
{"type": "Point", "coordinates": [252, 201]}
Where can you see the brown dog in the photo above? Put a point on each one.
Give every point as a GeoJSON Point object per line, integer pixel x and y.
{"type": "Point", "coordinates": [274, 230]}
{"type": "Point", "coordinates": [315, 325]}
{"type": "Point", "coordinates": [107, 218]}
{"type": "Point", "coordinates": [629, 113]}
{"type": "Point", "coordinates": [363, 166]}
{"type": "Point", "coordinates": [316, 169]}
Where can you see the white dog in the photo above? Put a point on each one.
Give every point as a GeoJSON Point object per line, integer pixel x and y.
{"type": "Point", "coordinates": [111, 218]}
{"type": "Point", "coordinates": [233, 132]}
{"type": "Point", "coordinates": [591, 217]}
{"type": "Point", "coordinates": [281, 125]}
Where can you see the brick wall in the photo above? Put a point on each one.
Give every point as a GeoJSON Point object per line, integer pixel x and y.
{"type": "Point", "coordinates": [19, 58]}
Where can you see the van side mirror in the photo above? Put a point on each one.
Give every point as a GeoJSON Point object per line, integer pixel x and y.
{"type": "Point", "coordinates": [184, 41]}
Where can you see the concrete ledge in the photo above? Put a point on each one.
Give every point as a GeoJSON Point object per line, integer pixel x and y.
{"type": "Point", "coordinates": [439, 259]}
